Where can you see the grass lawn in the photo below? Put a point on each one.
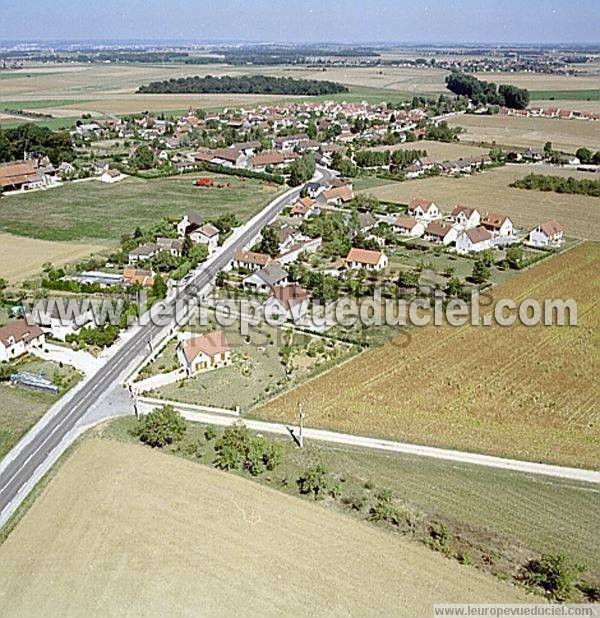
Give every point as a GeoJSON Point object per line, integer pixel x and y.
{"type": "Point", "coordinates": [38, 103]}
{"type": "Point", "coordinates": [96, 210]}
{"type": "Point", "coordinates": [21, 407]}
{"type": "Point", "coordinates": [258, 371]}
{"type": "Point", "coordinates": [567, 95]}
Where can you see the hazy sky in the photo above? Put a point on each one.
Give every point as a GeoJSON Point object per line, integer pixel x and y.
{"type": "Point", "coordinates": [544, 21]}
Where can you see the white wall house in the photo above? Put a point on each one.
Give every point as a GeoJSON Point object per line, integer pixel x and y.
{"type": "Point", "coordinates": [18, 338]}
{"type": "Point", "coordinates": [474, 240]}
{"type": "Point", "coordinates": [367, 259]}
{"type": "Point", "coordinates": [440, 233]}
{"type": "Point", "coordinates": [498, 225]}
{"type": "Point", "coordinates": [68, 321]}
{"type": "Point", "coordinates": [409, 226]}
{"type": "Point", "coordinates": [290, 301]}
{"type": "Point", "coordinates": [207, 235]}
{"type": "Point", "coordinates": [111, 176]}
{"type": "Point", "coordinates": [465, 218]}
{"type": "Point", "coordinates": [423, 209]}
{"type": "Point", "coordinates": [266, 278]}
{"type": "Point", "coordinates": [549, 234]}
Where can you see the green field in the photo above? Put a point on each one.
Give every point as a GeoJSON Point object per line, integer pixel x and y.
{"type": "Point", "coordinates": [510, 514]}
{"type": "Point", "coordinates": [570, 95]}
{"type": "Point", "coordinates": [39, 103]}
{"type": "Point", "coordinates": [94, 210]}
{"type": "Point", "coordinates": [21, 408]}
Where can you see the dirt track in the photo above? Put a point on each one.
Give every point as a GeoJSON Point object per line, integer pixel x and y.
{"type": "Point", "coordinates": [124, 530]}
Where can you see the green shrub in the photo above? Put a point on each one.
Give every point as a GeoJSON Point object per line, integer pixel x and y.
{"type": "Point", "coordinates": [315, 481]}
{"type": "Point", "coordinates": [556, 574]}
{"type": "Point", "coordinates": [161, 427]}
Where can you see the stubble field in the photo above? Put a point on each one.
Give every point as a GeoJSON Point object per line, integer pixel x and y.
{"type": "Point", "coordinates": [523, 392]}
{"type": "Point", "coordinates": [219, 544]}
{"type": "Point", "coordinates": [490, 191]}
{"type": "Point", "coordinates": [516, 132]}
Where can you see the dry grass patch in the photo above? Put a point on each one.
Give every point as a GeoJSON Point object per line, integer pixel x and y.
{"type": "Point", "coordinates": [490, 191]}
{"type": "Point", "coordinates": [524, 392]}
{"type": "Point", "coordinates": [516, 132]}
{"type": "Point", "coordinates": [21, 258]}
{"type": "Point", "coordinates": [144, 532]}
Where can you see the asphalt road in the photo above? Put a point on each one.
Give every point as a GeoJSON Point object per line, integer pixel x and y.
{"type": "Point", "coordinates": [18, 471]}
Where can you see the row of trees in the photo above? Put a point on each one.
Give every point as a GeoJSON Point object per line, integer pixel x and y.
{"type": "Point", "coordinates": [247, 84]}
{"type": "Point", "coordinates": [374, 158]}
{"type": "Point", "coordinates": [559, 184]}
{"type": "Point", "coordinates": [486, 93]}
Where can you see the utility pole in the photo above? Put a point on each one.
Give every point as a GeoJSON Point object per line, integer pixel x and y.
{"type": "Point", "coordinates": [301, 433]}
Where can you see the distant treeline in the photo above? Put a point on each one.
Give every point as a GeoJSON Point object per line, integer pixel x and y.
{"type": "Point", "coordinates": [486, 93]}
{"type": "Point", "coordinates": [33, 139]}
{"type": "Point", "coordinates": [374, 158]}
{"type": "Point", "coordinates": [289, 55]}
{"type": "Point", "coordinates": [559, 184]}
{"type": "Point", "coordinates": [252, 84]}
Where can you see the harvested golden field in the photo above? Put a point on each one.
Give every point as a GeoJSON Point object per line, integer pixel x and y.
{"type": "Point", "coordinates": [438, 151]}
{"type": "Point", "coordinates": [490, 191]}
{"type": "Point", "coordinates": [21, 258]}
{"type": "Point", "coordinates": [544, 81]}
{"type": "Point", "coordinates": [579, 106]}
{"type": "Point", "coordinates": [124, 530]}
{"type": "Point", "coordinates": [523, 392]}
{"type": "Point", "coordinates": [515, 132]}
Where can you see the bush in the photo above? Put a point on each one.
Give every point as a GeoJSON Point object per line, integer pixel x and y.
{"type": "Point", "coordinates": [439, 540]}
{"type": "Point", "coordinates": [238, 450]}
{"type": "Point", "coordinates": [161, 427]}
{"type": "Point", "coordinates": [556, 574]}
{"type": "Point", "coordinates": [385, 510]}
{"type": "Point", "coordinates": [315, 481]}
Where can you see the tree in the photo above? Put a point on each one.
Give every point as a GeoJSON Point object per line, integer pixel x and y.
{"type": "Point", "coordinates": [143, 159]}
{"type": "Point", "coordinates": [161, 427]}
{"type": "Point", "coordinates": [269, 243]}
{"type": "Point", "coordinates": [548, 150]}
{"type": "Point", "coordinates": [315, 481]}
{"type": "Point", "coordinates": [481, 272]}
{"type": "Point", "coordinates": [554, 573]}
{"type": "Point", "coordinates": [186, 246]}
{"type": "Point", "coordinates": [514, 256]}
{"type": "Point", "coordinates": [2, 283]}
{"type": "Point", "coordinates": [408, 279]}
{"type": "Point", "coordinates": [302, 169]}
{"type": "Point", "coordinates": [516, 98]}
{"type": "Point", "coordinates": [454, 287]}
{"type": "Point", "coordinates": [159, 287]}
{"type": "Point", "coordinates": [584, 155]}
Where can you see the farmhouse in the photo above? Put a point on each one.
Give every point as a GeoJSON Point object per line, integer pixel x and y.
{"type": "Point", "coordinates": [549, 234]}
{"type": "Point", "coordinates": [367, 259]}
{"type": "Point", "coordinates": [22, 175]}
{"type": "Point", "coordinates": [423, 209]}
{"type": "Point", "coordinates": [203, 352]}
{"type": "Point", "coordinates": [290, 301]}
{"type": "Point", "coordinates": [498, 225]}
{"type": "Point", "coordinates": [266, 278]}
{"type": "Point", "coordinates": [409, 226]}
{"type": "Point", "coordinates": [18, 338]}
{"type": "Point", "coordinates": [440, 233]}
{"type": "Point", "coordinates": [474, 239]}
{"type": "Point", "coordinates": [266, 159]}
{"type": "Point", "coordinates": [227, 157]}
{"type": "Point", "coordinates": [170, 245]}
{"type": "Point", "coordinates": [464, 217]}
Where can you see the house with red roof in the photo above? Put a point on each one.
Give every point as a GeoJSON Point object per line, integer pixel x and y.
{"type": "Point", "coordinates": [198, 353]}
{"type": "Point", "coordinates": [549, 234]}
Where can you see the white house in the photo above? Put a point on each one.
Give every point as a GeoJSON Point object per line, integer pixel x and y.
{"type": "Point", "coordinates": [290, 301]}
{"type": "Point", "coordinates": [111, 176]}
{"type": "Point", "coordinates": [190, 222]}
{"type": "Point", "coordinates": [367, 259]}
{"type": "Point", "coordinates": [409, 226]}
{"type": "Point", "coordinates": [440, 233]}
{"type": "Point", "coordinates": [251, 260]}
{"type": "Point", "coordinates": [69, 320]}
{"type": "Point", "coordinates": [465, 218]}
{"type": "Point", "coordinates": [207, 235]}
{"type": "Point", "coordinates": [302, 246]}
{"type": "Point", "coordinates": [549, 234]}
{"type": "Point", "coordinates": [498, 225]}
{"type": "Point", "coordinates": [18, 338]}
{"type": "Point", "coordinates": [197, 353]}
{"type": "Point", "coordinates": [266, 278]}
{"type": "Point", "coordinates": [473, 240]}
{"type": "Point", "coordinates": [423, 209]}
{"type": "Point", "coordinates": [170, 245]}
{"type": "Point", "coordinates": [144, 252]}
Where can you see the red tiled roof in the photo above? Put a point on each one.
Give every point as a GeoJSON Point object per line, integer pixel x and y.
{"type": "Point", "coordinates": [210, 344]}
